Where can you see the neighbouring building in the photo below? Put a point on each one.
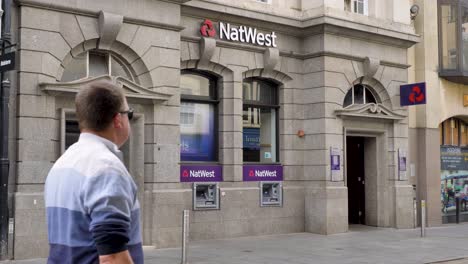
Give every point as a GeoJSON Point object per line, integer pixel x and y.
{"type": "Point", "coordinates": [261, 117]}
{"type": "Point", "coordinates": [439, 129]}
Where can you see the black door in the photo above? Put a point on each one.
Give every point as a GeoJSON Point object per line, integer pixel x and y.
{"type": "Point", "coordinates": [355, 180]}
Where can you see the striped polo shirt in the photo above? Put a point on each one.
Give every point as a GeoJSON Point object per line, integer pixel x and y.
{"type": "Point", "coordinates": [92, 206]}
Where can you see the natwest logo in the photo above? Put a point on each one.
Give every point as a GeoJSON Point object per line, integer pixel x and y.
{"type": "Point", "coordinates": [416, 96]}
{"type": "Point", "coordinates": [202, 173]}
{"type": "Point", "coordinates": [242, 34]}
{"type": "Point", "coordinates": [207, 29]}
{"type": "Point", "coordinates": [265, 173]}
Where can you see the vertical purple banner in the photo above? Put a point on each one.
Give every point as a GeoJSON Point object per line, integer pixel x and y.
{"type": "Point", "coordinates": [335, 160]}
{"type": "Point", "coordinates": [263, 172]}
{"type": "Point", "coordinates": [201, 173]}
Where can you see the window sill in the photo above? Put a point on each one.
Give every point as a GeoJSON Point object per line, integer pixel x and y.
{"type": "Point", "coordinates": [262, 163]}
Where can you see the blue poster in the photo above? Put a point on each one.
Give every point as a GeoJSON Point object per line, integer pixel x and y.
{"type": "Point", "coordinates": [251, 138]}
{"type": "Point", "coordinates": [198, 141]}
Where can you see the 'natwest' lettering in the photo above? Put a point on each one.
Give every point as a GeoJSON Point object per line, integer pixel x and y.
{"type": "Point", "coordinates": [265, 173]}
{"type": "Point", "coordinates": [246, 34]}
{"type": "Point", "coordinates": [202, 174]}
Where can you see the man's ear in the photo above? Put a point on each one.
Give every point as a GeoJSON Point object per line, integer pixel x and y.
{"type": "Point", "coordinates": [117, 121]}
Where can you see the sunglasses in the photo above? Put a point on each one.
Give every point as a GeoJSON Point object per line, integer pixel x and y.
{"type": "Point", "coordinates": [129, 112]}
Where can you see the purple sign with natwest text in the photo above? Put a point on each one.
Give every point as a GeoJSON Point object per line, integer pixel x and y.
{"type": "Point", "coordinates": [201, 173]}
{"type": "Point", "coordinates": [263, 172]}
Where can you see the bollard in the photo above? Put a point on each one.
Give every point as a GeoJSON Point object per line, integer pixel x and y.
{"type": "Point", "coordinates": [415, 212]}
{"type": "Point", "coordinates": [457, 210]}
{"type": "Point", "coordinates": [185, 235]}
{"type": "Point", "coordinates": [423, 218]}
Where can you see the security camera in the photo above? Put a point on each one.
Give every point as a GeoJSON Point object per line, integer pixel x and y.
{"type": "Point", "coordinates": [414, 11]}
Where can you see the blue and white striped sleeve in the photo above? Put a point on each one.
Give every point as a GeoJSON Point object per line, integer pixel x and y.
{"type": "Point", "coordinates": [108, 198]}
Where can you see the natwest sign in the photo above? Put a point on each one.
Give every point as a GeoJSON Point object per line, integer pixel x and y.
{"type": "Point", "coordinates": [201, 173]}
{"type": "Point", "coordinates": [242, 34]}
{"type": "Point", "coordinates": [246, 34]}
{"type": "Point", "coordinates": [263, 173]}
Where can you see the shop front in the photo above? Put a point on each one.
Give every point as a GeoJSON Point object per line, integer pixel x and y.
{"type": "Point", "coordinates": [253, 124]}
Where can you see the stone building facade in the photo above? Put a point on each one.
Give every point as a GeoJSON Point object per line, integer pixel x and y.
{"type": "Point", "coordinates": [332, 77]}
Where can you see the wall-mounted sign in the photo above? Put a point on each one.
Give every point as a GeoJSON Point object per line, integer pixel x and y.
{"type": "Point", "coordinates": [465, 100]}
{"type": "Point", "coordinates": [402, 165]}
{"type": "Point", "coordinates": [7, 62]}
{"type": "Point", "coordinates": [335, 164]}
{"type": "Point", "coordinates": [246, 34]}
{"type": "Point", "coordinates": [243, 34]}
{"type": "Point", "coordinates": [453, 158]}
{"type": "Point", "coordinates": [413, 94]}
{"type": "Point", "coordinates": [262, 172]}
{"type": "Point", "coordinates": [201, 173]}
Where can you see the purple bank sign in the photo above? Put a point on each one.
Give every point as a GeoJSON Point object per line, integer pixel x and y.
{"type": "Point", "coordinates": [263, 172]}
{"type": "Point", "coordinates": [201, 173]}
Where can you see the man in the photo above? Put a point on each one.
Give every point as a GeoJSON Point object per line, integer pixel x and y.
{"type": "Point", "coordinates": [93, 213]}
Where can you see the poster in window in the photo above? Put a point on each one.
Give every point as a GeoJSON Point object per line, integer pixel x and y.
{"type": "Point", "coordinates": [197, 139]}
{"type": "Point", "coordinates": [251, 138]}
{"type": "Point", "coordinates": [335, 164]}
{"type": "Point", "coordinates": [402, 174]}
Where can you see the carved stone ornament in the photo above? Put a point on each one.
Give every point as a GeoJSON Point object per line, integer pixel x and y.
{"type": "Point", "coordinates": [109, 28]}
{"type": "Point", "coordinates": [132, 90]}
{"type": "Point", "coordinates": [207, 49]}
{"type": "Point", "coordinates": [270, 58]}
{"type": "Point", "coordinates": [377, 111]}
{"type": "Point", "coordinates": [371, 66]}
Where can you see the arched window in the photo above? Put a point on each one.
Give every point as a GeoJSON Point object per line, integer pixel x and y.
{"type": "Point", "coordinates": [95, 63]}
{"type": "Point", "coordinates": [198, 117]}
{"type": "Point", "coordinates": [260, 121]}
{"type": "Point", "coordinates": [359, 94]}
{"type": "Point", "coordinates": [454, 132]}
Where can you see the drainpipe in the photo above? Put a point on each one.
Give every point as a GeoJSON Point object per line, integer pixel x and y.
{"type": "Point", "coordinates": [4, 126]}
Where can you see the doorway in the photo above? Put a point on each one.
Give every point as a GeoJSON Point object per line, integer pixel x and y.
{"type": "Point", "coordinates": [355, 171]}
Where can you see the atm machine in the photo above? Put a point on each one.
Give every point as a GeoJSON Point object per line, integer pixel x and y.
{"type": "Point", "coordinates": [271, 194]}
{"type": "Point", "coordinates": [205, 196]}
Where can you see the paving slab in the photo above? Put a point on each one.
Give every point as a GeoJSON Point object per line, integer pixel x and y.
{"type": "Point", "coordinates": [362, 244]}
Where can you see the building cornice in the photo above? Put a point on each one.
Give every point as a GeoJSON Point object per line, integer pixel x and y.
{"type": "Point", "coordinates": [92, 13]}
{"type": "Point", "coordinates": [295, 55]}
{"type": "Point", "coordinates": [305, 23]}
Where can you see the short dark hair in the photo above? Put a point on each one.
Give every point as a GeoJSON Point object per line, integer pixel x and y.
{"type": "Point", "coordinates": [97, 104]}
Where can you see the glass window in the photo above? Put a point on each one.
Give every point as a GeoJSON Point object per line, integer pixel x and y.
{"type": "Point", "coordinates": [191, 84]}
{"type": "Point", "coordinates": [260, 121]}
{"type": "Point", "coordinates": [198, 118]}
{"type": "Point", "coordinates": [453, 132]}
{"type": "Point", "coordinates": [360, 7]}
{"type": "Point", "coordinates": [118, 68]}
{"type": "Point", "coordinates": [359, 94]}
{"type": "Point", "coordinates": [76, 69]}
{"type": "Point", "coordinates": [72, 132]}
{"type": "Point", "coordinates": [448, 31]}
{"type": "Point", "coordinates": [94, 64]}
{"type": "Point", "coordinates": [98, 64]}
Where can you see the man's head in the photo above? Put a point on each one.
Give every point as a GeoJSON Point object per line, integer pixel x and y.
{"type": "Point", "coordinates": [102, 109]}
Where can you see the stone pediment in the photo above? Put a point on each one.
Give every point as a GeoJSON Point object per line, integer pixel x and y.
{"type": "Point", "coordinates": [377, 111]}
{"type": "Point", "coordinates": [132, 90]}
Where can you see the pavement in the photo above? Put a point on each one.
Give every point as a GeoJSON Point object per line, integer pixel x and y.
{"type": "Point", "coordinates": [362, 244]}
